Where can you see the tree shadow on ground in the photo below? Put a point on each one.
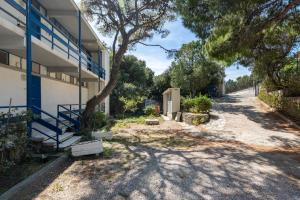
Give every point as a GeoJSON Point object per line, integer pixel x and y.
{"type": "Point", "coordinates": [213, 172]}
{"type": "Point", "coordinates": [267, 120]}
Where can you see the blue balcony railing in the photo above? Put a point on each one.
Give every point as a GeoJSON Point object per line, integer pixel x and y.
{"type": "Point", "coordinates": [46, 31]}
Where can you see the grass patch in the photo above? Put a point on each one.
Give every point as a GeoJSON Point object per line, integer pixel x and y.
{"type": "Point", "coordinates": [125, 122]}
{"type": "Point", "coordinates": [57, 187]}
{"type": "Point", "coordinates": [107, 152]}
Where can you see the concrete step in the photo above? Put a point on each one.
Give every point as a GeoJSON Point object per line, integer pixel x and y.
{"type": "Point", "coordinates": [36, 134]}
{"type": "Point", "coordinates": [61, 138]}
{"type": "Point", "coordinates": [73, 140]}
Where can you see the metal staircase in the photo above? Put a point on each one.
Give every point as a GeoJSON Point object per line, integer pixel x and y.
{"type": "Point", "coordinates": [56, 131]}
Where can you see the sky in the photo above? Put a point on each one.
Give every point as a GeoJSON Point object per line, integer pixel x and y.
{"type": "Point", "coordinates": [157, 60]}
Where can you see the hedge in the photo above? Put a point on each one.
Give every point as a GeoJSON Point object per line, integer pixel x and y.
{"type": "Point", "coordinates": [287, 105]}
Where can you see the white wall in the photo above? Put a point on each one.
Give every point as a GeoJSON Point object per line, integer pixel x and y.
{"type": "Point", "coordinates": [56, 92]}
{"type": "Point", "coordinates": [12, 85]}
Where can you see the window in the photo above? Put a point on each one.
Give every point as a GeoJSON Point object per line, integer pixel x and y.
{"type": "Point", "coordinates": [72, 81]}
{"type": "Point", "coordinates": [36, 68]}
{"type": "Point", "coordinates": [3, 57]}
{"type": "Point", "coordinates": [59, 76]}
{"type": "Point", "coordinates": [43, 70]}
{"type": "Point", "coordinates": [52, 75]}
{"type": "Point", "coordinates": [14, 61]}
{"type": "Point", "coordinates": [67, 78]}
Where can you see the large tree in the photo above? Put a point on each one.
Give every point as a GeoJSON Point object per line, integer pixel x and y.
{"type": "Point", "coordinates": [129, 22]}
{"type": "Point", "coordinates": [135, 82]}
{"type": "Point", "coordinates": [193, 71]}
{"type": "Point", "coordinates": [160, 84]}
{"type": "Point", "coordinates": [261, 34]}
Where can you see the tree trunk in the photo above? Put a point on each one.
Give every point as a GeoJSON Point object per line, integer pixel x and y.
{"type": "Point", "coordinates": [114, 75]}
{"type": "Point", "coordinates": [96, 100]}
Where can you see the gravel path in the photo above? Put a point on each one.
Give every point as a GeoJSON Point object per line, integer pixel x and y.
{"type": "Point", "coordinates": [241, 117]}
{"type": "Point", "coordinates": [243, 153]}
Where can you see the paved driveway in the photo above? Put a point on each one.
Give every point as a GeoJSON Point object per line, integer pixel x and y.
{"type": "Point", "coordinates": [241, 116]}
{"type": "Point", "coordinates": [244, 153]}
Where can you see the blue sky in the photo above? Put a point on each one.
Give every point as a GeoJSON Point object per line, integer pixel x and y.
{"type": "Point", "coordinates": [156, 58]}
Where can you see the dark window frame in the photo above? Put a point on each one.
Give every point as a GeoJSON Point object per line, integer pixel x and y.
{"type": "Point", "coordinates": [7, 57]}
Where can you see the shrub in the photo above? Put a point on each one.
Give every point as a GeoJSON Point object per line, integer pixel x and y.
{"type": "Point", "coordinates": [273, 99]}
{"type": "Point", "coordinates": [13, 139]}
{"type": "Point", "coordinates": [131, 105]}
{"type": "Point", "coordinates": [288, 105]}
{"type": "Point", "coordinates": [200, 104]}
{"type": "Point", "coordinates": [98, 120]}
{"type": "Point", "coordinates": [150, 110]}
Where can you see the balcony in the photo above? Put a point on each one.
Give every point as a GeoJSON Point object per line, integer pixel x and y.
{"type": "Point", "coordinates": [52, 45]}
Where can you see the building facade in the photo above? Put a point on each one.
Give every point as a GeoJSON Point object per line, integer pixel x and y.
{"type": "Point", "coordinates": [50, 57]}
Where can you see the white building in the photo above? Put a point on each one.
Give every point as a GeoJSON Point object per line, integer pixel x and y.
{"type": "Point", "coordinates": [56, 29]}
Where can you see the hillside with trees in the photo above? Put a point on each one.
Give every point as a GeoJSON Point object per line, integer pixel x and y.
{"type": "Point", "coordinates": [241, 83]}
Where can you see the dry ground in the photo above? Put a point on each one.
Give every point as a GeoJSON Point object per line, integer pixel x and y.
{"type": "Point", "coordinates": [243, 153]}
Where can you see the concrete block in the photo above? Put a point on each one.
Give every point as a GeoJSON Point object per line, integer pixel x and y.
{"type": "Point", "coordinates": [87, 148]}
{"type": "Point", "coordinates": [152, 122]}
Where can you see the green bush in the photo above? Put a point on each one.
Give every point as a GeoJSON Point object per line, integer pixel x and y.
{"type": "Point", "coordinates": [13, 138]}
{"type": "Point", "coordinates": [200, 104]}
{"type": "Point", "coordinates": [98, 120]}
{"type": "Point", "coordinates": [273, 99]}
{"type": "Point", "coordinates": [150, 110]}
{"type": "Point", "coordinates": [131, 105]}
{"type": "Point", "coordinates": [288, 105]}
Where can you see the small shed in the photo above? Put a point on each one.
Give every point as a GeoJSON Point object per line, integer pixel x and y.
{"type": "Point", "coordinates": [171, 102]}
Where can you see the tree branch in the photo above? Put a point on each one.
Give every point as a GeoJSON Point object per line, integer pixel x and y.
{"type": "Point", "coordinates": [160, 46]}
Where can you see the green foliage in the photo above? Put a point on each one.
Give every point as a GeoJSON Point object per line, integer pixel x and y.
{"type": "Point", "coordinates": [13, 138]}
{"type": "Point", "coordinates": [150, 111]}
{"type": "Point", "coordinates": [273, 99]}
{"type": "Point", "coordinates": [160, 84]}
{"type": "Point", "coordinates": [192, 71]}
{"type": "Point", "coordinates": [124, 122]}
{"type": "Point", "coordinates": [287, 105]}
{"type": "Point", "coordinates": [107, 152]}
{"type": "Point", "coordinates": [200, 120]}
{"type": "Point", "coordinates": [262, 35]}
{"type": "Point", "coordinates": [134, 84]}
{"type": "Point", "coordinates": [242, 82]}
{"type": "Point", "coordinates": [200, 104]}
{"type": "Point", "coordinates": [131, 104]}
{"type": "Point", "coordinates": [98, 120]}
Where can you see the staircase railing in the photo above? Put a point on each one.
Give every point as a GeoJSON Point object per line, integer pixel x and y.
{"type": "Point", "coordinates": [47, 124]}
{"type": "Point", "coordinates": [37, 118]}
{"type": "Point", "coordinates": [66, 112]}
{"type": "Point", "coordinates": [63, 43]}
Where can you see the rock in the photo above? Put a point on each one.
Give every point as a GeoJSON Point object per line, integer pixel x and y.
{"type": "Point", "coordinates": [98, 135]}
{"type": "Point", "coordinates": [195, 118]}
{"type": "Point", "coordinates": [152, 122]}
